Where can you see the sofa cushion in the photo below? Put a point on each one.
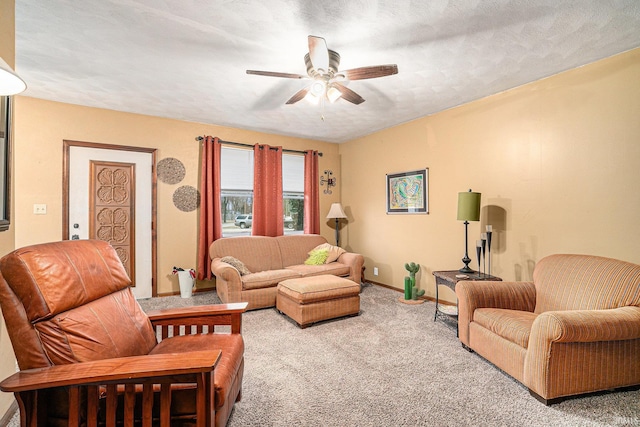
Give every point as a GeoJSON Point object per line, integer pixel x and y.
{"type": "Point", "coordinates": [258, 253]}
{"type": "Point", "coordinates": [294, 248]}
{"type": "Point", "coordinates": [266, 279]}
{"type": "Point", "coordinates": [335, 268]}
{"type": "Point", "coordinates": [512, 325]}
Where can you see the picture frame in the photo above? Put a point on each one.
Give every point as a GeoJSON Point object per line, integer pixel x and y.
{"type": "Point", "coordinates": [5, 156]}
{"type": "Point", "coordinates": [408, 192]}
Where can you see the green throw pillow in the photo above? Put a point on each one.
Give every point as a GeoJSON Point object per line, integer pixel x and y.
{"type": "Point", "coordinates": [317, 257]}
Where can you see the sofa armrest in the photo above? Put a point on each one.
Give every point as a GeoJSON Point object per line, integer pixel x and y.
{"type": "Point", "coordinates": [224, 271]}
{"type": "Point", "coordinates": [486, 294]}
{"type": "Point", "coordinates": [228, 280]}
{"type": "Point", "coordinates": [355, 262]}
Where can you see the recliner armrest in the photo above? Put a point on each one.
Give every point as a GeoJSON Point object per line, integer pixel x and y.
{"type": "Point", "coordinates": [203, 315]}
{"type": "Point", "coordinates": [121, 370]}
{"type": "Point", "coordinates": [89, 382]}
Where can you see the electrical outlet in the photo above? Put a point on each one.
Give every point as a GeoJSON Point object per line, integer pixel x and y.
{"type": "Point", "coordinates": [375, 271]}
{"type": "Point", "coordinates": [39, 209]}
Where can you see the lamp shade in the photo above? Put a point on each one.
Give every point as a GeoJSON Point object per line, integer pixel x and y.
{"type": "Point", "coordinates": [336, 211]}
{"type": "Point", "coordinates": [10, 82]}
{"type": "Point", "coordinates": [469, 206]}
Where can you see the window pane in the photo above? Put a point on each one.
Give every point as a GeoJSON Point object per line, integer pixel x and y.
{"type": "Point", "coordinates": [236, 177]}
{"type": "Point", "coordinates": [293, 193]}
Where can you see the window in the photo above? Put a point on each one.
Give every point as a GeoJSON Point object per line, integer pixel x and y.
{"type": "Point", "coordinates": [236, 192]}
{"type": "Point", "coordinates": [293, 193]}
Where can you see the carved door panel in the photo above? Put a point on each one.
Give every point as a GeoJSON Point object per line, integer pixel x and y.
{"type": "Point", "coordinates": [111, 209]}
{"type": "Point", "coordinates": [110, 195]}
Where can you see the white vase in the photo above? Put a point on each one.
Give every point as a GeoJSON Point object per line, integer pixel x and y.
{"type": "Point", "coordinates": [186, 283]}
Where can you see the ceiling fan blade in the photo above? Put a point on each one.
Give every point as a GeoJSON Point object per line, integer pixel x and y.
{"type": "Point", "coordinates": [276, 74]}
{"type": "Point", "coordinates": [370, 72]}
{"type": "Point", "coordinates": [348, 94]}
{"type": "Point", "coordinates": [318, 53]}
{"type": "Point", "coordinates": [299, 95]}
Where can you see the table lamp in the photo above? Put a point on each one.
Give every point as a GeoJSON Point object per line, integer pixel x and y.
{"type": "Point", "coordinates": [336, 212]}
{"type": "Point", "coordinates": [468, 210]}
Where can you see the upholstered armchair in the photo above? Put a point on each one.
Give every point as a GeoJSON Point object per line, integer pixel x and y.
{"type": "Point", "coordinates": [89, 355]}
{"type": "Point", "coordinates": [575, 329]}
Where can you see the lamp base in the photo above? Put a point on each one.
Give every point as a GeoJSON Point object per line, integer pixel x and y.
{"type": "Point", "coordinates": [466, 269]}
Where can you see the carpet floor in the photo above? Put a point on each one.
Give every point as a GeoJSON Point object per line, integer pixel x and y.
{"type": "Point", "coordinates": [390, 366]}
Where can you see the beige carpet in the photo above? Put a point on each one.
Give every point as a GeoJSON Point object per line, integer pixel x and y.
{"type": "Point", "coordinates": [390, 366]}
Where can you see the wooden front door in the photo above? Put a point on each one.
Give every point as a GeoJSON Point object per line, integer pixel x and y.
{"type": "Point", "coordinates": [111, 209]}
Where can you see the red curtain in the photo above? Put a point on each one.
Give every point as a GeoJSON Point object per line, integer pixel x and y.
{"type": "Point", "coordinates": [268, 215]}
{"type": "Point", "coordinates": [311, 193]}
{"type": "Point", "coordinates": [210, 209]}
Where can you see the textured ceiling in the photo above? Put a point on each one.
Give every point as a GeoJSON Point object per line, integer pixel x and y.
{"type": "Point", "coordinates": [187, 59]}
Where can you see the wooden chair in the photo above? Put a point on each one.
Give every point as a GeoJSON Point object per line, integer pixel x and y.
{"type": "Point", "coordinates": [89, 355]}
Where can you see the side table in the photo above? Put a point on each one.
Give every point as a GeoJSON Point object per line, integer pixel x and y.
{"type": "Point", "coordinates": [449, 278]}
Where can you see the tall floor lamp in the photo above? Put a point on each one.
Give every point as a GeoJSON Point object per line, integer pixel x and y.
{"type": "Point", "coordinates": [468, 210]}
{"type": "Point", "coordinates": [336, 212]}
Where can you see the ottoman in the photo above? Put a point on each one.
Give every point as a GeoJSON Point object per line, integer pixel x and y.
{"type": "Point", "coordinates": [313, 299]}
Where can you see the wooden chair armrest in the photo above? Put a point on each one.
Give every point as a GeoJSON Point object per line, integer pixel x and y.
{"type": "Point", "coordinates": [121, 370]}
{"type": "Point", "coordinates": [204, 315]}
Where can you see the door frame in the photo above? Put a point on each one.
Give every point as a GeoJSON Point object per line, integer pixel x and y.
{"type": "Point", "coordinates": [67, 144]}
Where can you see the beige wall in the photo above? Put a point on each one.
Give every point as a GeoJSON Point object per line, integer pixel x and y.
{"type": "Point", "coordinates": [41, 126]}
{"type": "Point", "coordinates": [7, 238]}
{"type": "Point", "coordinates": [557, 163]}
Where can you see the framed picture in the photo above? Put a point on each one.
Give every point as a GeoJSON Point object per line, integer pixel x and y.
{"type": "Point", "coordinates": [407, 192]}
{"type": "Point", "coordinates": [5, 150]}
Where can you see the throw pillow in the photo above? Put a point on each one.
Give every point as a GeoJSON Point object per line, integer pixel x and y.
{"type": "Point", "coordinates": [237, 264]}
{"type": "Point", "coordinates": [333, 252]}
{"type": "Point", "coordinates": [317, 257]}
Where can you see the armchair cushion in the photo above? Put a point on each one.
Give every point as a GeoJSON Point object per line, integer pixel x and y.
{"type": "Point", "coordinates": [228, 367]}
{"type": "Point", "coordinates": [513, 325]}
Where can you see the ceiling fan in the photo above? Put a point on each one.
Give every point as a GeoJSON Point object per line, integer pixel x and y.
{"type": "Point", "coordinates": [322, 67]}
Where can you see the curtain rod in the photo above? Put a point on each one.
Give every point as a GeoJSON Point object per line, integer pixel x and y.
{"type": "Point", "coordinates": [240, 144]}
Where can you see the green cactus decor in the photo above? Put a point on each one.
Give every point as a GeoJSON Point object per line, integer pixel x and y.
{"type": "Point", "coordinates": [410, 289]}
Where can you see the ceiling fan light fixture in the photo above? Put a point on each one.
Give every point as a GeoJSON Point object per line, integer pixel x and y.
{"type": "Point", "coordinates": [333, 94]}
{"type": "Point", "coordinates": [318, 88]}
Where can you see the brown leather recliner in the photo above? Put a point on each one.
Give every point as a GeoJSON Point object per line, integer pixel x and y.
{"type": "Point", "coordinates": [89, 355]}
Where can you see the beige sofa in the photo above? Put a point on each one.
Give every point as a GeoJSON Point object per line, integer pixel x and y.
{"type": "Point", "coordinates": [575, 329]}
{"type": "Point", "coordinates": [271, 260]}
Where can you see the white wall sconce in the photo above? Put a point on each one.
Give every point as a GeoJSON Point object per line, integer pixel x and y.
{"type": "Point", "coordinates": [328, 179]}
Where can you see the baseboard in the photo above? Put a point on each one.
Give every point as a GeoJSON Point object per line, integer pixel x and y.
{"type": "Point", "coordinates": [195, 291]}
{"type": "Point", "coordinates": [9, 414]}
